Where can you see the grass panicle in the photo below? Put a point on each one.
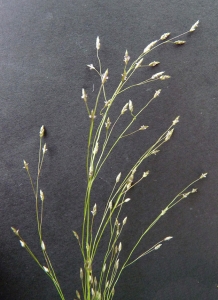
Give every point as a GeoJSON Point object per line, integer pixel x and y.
{"type": "Point", "coordinates": [100, 147]}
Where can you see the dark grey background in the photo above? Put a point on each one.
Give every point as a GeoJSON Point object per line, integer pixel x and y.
{"type": "Point", "coordinates": [44, 49]}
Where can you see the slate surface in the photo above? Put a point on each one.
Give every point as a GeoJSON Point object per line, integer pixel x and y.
{"type": "Point", "coordinates": [44, 49]}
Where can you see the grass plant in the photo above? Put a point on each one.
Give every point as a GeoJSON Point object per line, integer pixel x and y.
{"type": "Point", "coordinates": [100, 146]}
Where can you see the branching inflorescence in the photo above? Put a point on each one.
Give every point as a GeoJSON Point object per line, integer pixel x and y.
{"type": "Point", "coordinates": [98, 152]}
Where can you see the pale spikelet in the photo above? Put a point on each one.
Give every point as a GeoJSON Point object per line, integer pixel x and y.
{"type": "Point", "coordinates": [15, 231]}
{"type": "Point", "coordinates": [154, 63]}
{"type": "Point", "coordinates": [124, 109]}
{"type": "Point", "coordinates": [165, 36]}
{"type": "Point", "coordinates": [164, 77]}
{"type": "Point", "coordinates": [94, 210]}
{"type": "Point", "coordinates": [145, 174]}
{"type": "Point", "coordinates": [179, 42]}
{"type": "Point", "coordinates": [42, 197]}
{"type": "Point", "coordinates": [44, 149]}
{"type": "Point", "coordinates": [127, 200]}
{"type": "Point", "coordinates": [92, 115]}
{"type": "Point", "coordinates": [91, 170]}
{"type": "Point", "coordinates": [175, 121]}
{"type": "Point", "coordinates": [91, 67]}
{"type": "Point", "coordinates": [157, 93]}
{"type": "Point", "coordinates": [43, 246]}
{"type": "Point", "coordinates": [168, 238]}
{"type": "Point", "coordinates": [185, 195]}
{"type": "Point", "coordinates": [95, 150]}
{"type": "Point", "coordinates": [107, 103]}
{"type": "Point", "coordinates": [104, 77]}
{"type": "Point", "coordinates": [76, 235]}
{"type": "Point", "coordinates": [26, 165]}
{"type": "Point", "coordinates": [118, 177]}
{"type": "Point", "coordinates": [194, 26]}
{"type": "Point", "coordinates": [108, 123]}
{"type": "Point", "coordinates": [95, 282]}
{"type": "Point", "coordinates": [81, 273]}
{"type": "Point", "coordinates": [138, 64]}
{"type": "Point", "coordinates": [194, 190]}
{"type": "Point", "coordinates": [143, 127]}
{"type": "Point", "coordinates": [154, 152]}
{"type": "Point", "coordinates": [98, 45]}
{"type": "Point", "coordinates": [120, 247]}
{"type": "Point", "coordinates": [104, 268]}
{"type": "Point", "coordinates": [22, 244]}
{"type": "Point", "coordinates": [84, 95]}
{"type": "Point", "coordinates": [92, 292]}
{"type": "Point", "coordinates": [157, 75]}
{"type": "Point", "coordinates": [116, 266]}
{"type": "Point", "coordinates": [157, 247]}
{"type": "Point", "coordinates": [113, 291]}
{"type": "Point", "coordinates": [110, 204]}
{"type": "Point", "coordinates": [45, 269]}
{"type": "Point", "coordinates": [169, 134]}
{"type": "Point", "coordinates": [78, 294]}
{"type": "Point", "coordinates": [124, 220]}
{"type": "Point", "coordinates": [130, 106]}
{"type": "Point", "coordinates": [204, 175]}
{"type": "Point", "coordinates": [126, 57]}
{"type": "Point", "coordinates": [124, 75]}
{"type": "Point", "coordinates": [42, 131]}
{"type": "Point", "coordinates": [107, 284]}
{"type": "Point", "coordinates": [151, 45]}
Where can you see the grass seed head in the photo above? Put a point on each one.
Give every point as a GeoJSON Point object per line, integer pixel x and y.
{"type": "Point", "coordinates": [130, 106]}
{"type": "Point", "coordinates": [26, 165]}
{"type": "Point", "coordinates": [81, 273]}
{"type": "Point", "coordinates": [164, 77]}
{"type": "Point", "coordinates": [22, 244]}
{"type": "Point", "coordinates": [203, 175]}
{"type": "Point", "coordinates": [124, 109]}
{"type": "Point", "coordinates": [43, 246]}
{"type": "Point", "coordinates": [104, 77]}
{"type": "Point", "coordinates": [42, 197]}
{"type": "Point", "coordinates": [168, 238]}
{"type": "Point", "coordinates": [94, 210]}
{"type": "Point", "coordinates": [157, 93]}
{"type": "Point", "coordinates": [150, 46]}
{"type": "Point", "coordinates": [175, 121]}
{"type": "Point", "coordinates": [42, 131]}
{"type": "Point", "coordinates": [138, 64]}
{"type": "Point", "coordinates": [98, 45]}
{"type": "Point", "coordinates": [126, 57]}
{"type": "Point", "coordinates": [15, 231]}
{"type": "Point", "coordinates": [84, 95]}
{"type": "Point", "coordinates": [108, 123]}
{"type": "Point", "coordinates": [169, 134]}
{"type": "Point", "coordinates": [157, 75]}
{"type": "Point", "coordinates": [165, 36]}
{"type": "Point", "coordinates": [78, 294]}
{"type": "Point", "coordinates": [95, 150]}
{"type": "Point", "coordinates": [44, 149]}
{"type": "Point", "coordinates": [193, 28]}
{"type": "Point", "coordinates": [124, 220]}
{"type": "Point", "coordinates": [45, 269]}
{"type": "Point", "coordinates": [157, 247]}
{"type": "Point", "coordinates": [179, 42]}
{"type": "Point", "coordinates": [118, 177]}
{"type": "Point", "coordinates": [154, 63]}
{"type": "Point", "coordinates": [91, 67]}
